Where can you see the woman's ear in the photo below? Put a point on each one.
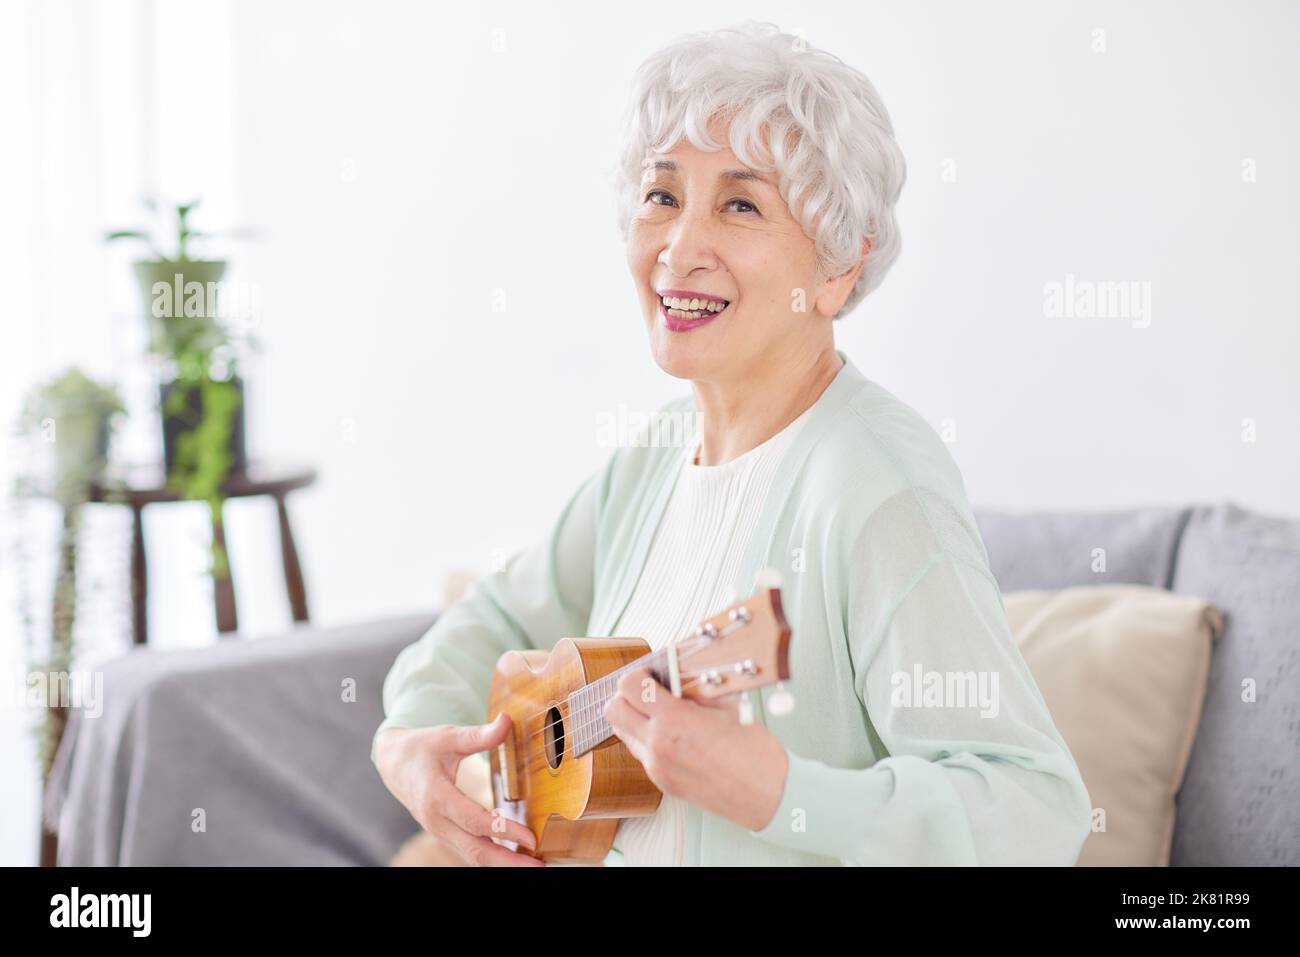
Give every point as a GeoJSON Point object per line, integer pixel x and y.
{"type": "Point", "coordinates": [836, 290]}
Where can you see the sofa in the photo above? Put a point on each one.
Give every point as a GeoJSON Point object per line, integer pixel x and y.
{"type": "Point", "coordinates": [258, 751]}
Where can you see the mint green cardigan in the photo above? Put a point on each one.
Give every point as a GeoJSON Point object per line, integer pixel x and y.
{"type": "Point", "coordinates": [885, 580]}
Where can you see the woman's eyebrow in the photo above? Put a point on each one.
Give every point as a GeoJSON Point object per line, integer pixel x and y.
{"type": "Point", "coordinates": [729, 175]}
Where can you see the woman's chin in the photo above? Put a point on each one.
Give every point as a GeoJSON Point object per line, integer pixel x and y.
{"type": "Point", "coordinates": [699, 351]}
{"type": "Point", "coordinates": [682, 359]}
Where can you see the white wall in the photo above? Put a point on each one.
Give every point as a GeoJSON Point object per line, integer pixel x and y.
{"type": "Point", "coordinates": [407, 169]}
{"type": "Point", "coordinates": [408, 160]}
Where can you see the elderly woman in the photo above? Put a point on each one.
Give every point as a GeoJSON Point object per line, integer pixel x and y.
{"type": "Point", "coordinates": [758, 191]}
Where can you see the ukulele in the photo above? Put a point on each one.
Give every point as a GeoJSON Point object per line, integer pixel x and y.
{"type": "Point", "coordinates": [562, 772]}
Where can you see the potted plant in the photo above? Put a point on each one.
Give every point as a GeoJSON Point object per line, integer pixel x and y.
{"type": "Point", "coordinates": [73, 416]}
{"type": "Point", "coordinates": [201, 397]}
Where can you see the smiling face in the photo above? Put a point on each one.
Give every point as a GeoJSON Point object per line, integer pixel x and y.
{"type": "Point", "coordinates": [707, 224]}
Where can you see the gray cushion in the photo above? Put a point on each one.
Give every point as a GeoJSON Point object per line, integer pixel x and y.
{"type": "Point", "coordinates": [1055, 549]}
{"type": "Point", "coordinates": [1240, 801]}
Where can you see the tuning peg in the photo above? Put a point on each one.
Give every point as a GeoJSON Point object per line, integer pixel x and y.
{"type": "Point", "coordinates": [780, 702]}
{"type": "Point", "coordinates": [768, 578]}
{"type": "Point", "coordinates": [746, 709]}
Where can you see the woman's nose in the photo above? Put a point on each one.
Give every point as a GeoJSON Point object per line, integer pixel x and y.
{"type": "Point", "coordinates": [689, 243]}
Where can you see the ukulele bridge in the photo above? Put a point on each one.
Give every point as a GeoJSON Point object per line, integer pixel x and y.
{"type": "Point", "coordinates": [508, 767]}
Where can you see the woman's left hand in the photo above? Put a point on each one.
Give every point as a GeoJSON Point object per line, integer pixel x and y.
{"type": "Point", "coordinates": [699, 751]}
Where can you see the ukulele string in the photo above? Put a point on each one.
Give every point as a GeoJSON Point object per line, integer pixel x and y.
{"type": "Point", "coordinates": [599, 718]}
{"type": "Point", "coordinates": [695, 637]}
{"type": "Point", "coordinates": [686, 648]}
{"type": "Point", "coordinates": [539, 760]}
{"type": "Point", "coordinates": [582, 708]}
{"type": "Point", "coordinates": [593, 721]}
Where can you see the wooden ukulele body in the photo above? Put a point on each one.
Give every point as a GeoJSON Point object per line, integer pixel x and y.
{"type": "Point", "coordinates": [572, 804]}
{"type": "Point", "coordinates": [561, 770]}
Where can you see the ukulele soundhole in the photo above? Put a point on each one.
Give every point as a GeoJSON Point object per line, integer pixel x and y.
{"type": "Point", "coordinates": [554, 738]}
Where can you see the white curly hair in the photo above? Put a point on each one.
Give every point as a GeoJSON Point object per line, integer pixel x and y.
{"type": "Point", "coordinates": [829, 138]}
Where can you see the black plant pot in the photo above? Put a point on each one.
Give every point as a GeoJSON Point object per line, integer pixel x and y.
{"type": "Point", "coordinates": [176, 425]}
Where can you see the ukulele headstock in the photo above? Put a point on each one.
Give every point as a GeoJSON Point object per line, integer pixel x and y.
{"type": "Point", "coordinates": [744, 646]}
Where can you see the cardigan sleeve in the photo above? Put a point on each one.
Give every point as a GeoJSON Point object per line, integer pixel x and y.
{"type": "Point", "coordinates": [540, 595]}
{"type": "Point", "coordinates": [974, 772]}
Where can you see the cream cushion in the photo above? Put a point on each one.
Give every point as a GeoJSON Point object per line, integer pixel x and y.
{"type": "Point", "coordinates": [1123, 669]}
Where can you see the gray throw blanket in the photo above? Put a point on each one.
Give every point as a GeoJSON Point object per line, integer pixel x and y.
{"type": "Point", "coordinates": [248, 752]}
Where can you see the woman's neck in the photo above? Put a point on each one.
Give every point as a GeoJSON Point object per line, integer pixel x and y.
{"type": "Point", "coordinates": [735, 419]}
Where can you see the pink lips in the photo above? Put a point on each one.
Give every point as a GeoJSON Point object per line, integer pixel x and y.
{"type": "Point", "coordinates": [686, 325]}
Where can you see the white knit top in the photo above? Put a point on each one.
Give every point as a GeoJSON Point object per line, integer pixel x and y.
{"type": "Point", "coordinates": [689, 575]}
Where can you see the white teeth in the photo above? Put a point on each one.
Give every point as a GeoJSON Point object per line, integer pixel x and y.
{"type": "Point", "coordinates": [694, 305]}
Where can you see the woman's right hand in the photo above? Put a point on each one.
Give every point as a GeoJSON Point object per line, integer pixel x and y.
{"type": "Point", "coordinates": [418, 765]}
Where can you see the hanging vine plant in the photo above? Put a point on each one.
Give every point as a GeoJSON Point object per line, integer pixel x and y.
{"type": "Point", "coordinates": [71, 416]}
{"type": "Point", "coordinates": [205, 409]}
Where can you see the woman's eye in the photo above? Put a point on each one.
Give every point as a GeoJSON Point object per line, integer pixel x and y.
{"type": "Point", "coordinates": [749, 207]}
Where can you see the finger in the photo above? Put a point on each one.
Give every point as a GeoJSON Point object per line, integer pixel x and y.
{"type": "Point", "coordinates": [630, 726]}
{"type": "Point", "coordinates": [628, 723]}
{"type": "Point", "coordinates": [643, 693]}
{"type": "Point", "coordinates": [503, 828]}
{"type": "Point", "coordinates": [474, 819]}
{"type": "Point", "coordinates": [724, 709]}
{"type": "Point", "coordinates": [624, 718]}
{"type": "Point", "coordinates": [481, 852]}
{"type": "Point", "coordinates": [472, 738]}
{"type": "Point", "coordinates": [721, 703]}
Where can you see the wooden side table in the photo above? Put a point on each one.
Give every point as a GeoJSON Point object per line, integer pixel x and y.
{"type": "Point", "coordinates": [140, 486]}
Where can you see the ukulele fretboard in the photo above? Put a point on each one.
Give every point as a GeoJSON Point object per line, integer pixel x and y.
{"type": "Point", "coordinates": [587, 705]}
